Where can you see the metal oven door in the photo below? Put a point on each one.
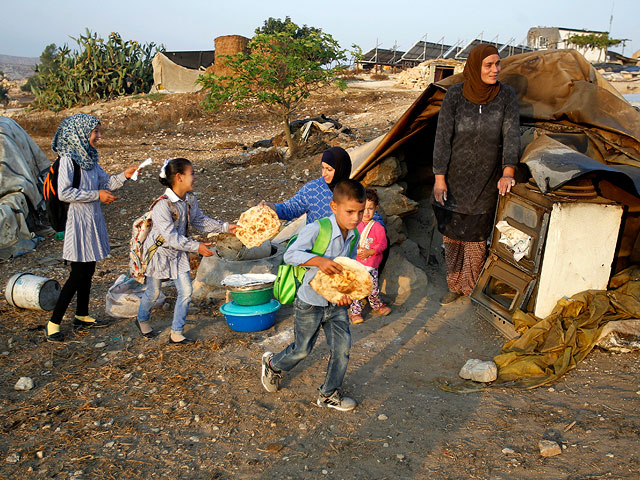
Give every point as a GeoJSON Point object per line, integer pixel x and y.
{"type": "Point", "coordinates": [501, 289]}
{"type": "Point", "coordinates": [528, 217]}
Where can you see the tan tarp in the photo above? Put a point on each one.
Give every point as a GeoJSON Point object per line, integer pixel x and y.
{"type": "Point", "coordinates": [549, 348]}
{"type": "Point", "coordinates": [21, 161]}
{"type": "Point", "coordinates": [170, 77]}
{"type": "Point", "coordinates": [556, 86]}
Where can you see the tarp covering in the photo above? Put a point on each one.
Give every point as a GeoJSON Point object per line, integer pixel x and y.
{"type": "Point", "coordinates": [549, 348]}
{"type": "Point", "coordinates": [559, 93]}
{"type": "Point", "coordinates": [21, 160]}
{"type": "Point", "coordinates": [170, 77]}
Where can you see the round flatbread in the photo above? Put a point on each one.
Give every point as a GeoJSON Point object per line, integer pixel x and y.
{"type": "Point", "coordinates": [354, 281]}
{"type": "Point", "coordinates": [257, 225]}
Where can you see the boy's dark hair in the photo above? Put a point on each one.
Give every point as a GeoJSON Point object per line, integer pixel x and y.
{"type": "Point", "coordinates": [372, 196]}
{"type": "Point", "coordinates": [175, 166]}
{"type": "Point", "coordinates": [349, 190]}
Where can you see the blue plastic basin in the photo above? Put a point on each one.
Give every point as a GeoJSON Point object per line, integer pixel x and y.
{"type": "Point", "coordinates": [254, 318]}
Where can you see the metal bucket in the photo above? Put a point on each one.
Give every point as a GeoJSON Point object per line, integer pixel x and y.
{"type": "Point", "coordinates": [25, 290]}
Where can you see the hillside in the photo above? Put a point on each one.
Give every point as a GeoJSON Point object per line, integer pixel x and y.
{"type": "Point", "coordinates": [16, 68]}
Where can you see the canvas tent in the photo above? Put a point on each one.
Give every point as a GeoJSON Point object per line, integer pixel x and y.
{"type": "Point", "coordinates": [170, 77]}
{"type": "Point", "coordinates": [21, 203]}
{"type": "Point", "coordinates": [573, 122]}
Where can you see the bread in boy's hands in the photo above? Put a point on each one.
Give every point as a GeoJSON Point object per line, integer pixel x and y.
{"type": "Point", "coordinates": [256, 225]}
{"type": "Point", "coordinates": [354, 281]}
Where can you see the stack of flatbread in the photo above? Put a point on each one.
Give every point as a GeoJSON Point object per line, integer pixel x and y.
{"type": "Point", "coordinates": [257, 225]}
{"type": "Point", "coordinates": [354, 281]}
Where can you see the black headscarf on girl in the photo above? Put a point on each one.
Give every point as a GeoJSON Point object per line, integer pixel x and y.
{"type": "Point", "coordinates": [338, 159]}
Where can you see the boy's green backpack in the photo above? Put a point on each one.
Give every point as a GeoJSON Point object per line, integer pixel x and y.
{"type": "Point", "coordinates": [290, 278]}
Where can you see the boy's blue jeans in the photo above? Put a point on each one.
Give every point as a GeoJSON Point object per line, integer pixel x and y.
{"type": "Point", "coordinates": [306, 324]}
{"type": "Point", "coordinates": [184, 288]}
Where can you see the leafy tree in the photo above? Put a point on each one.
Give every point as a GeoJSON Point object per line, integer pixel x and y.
{"type": "Point", "coordinates": [46, 66]}
{"type": "Point", "coordinates": [280, 70]}
{"type": "Point", "coordinates": [598, 41]}
{"type": "Point", "coordinates": [98, 70]}
{"type": "Point", "coordinates": [276, 25]}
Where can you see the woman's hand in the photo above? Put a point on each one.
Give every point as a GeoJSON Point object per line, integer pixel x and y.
{"type": "Point", "coordinates": [505, 183]}
{"type": "Point", "coordinates": [440, 189]}
{"type": "Point", "coordinates": [130, 171]}
{"type": "Point", "coordinates": [106, 196]}
{"type": "Point", "coordinates": [272, 206]}
{"type": "Point", "coordinates": [232, 228]}
{"type": "Point", "coordinates": [203, 249]}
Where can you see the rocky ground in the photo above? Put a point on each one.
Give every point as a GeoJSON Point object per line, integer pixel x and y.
{"type": "Point", "coordinates": [110, 404]}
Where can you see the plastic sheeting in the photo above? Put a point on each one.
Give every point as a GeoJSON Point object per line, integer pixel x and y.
{"type": "Point", "coordinates": [21, 161]}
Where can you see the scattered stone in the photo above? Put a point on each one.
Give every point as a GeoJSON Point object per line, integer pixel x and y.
{"type": "Point", "coordinates": [302, 426]}
{"type": "Point", "coordinates": [40, 454]}
{"type": "Point", "coordinates": [109, 444]}
{"type": "Point", "coordinates": [549, 448]}
{"type": "Point", "coordinates": [24, 383]}
{"type": "Point", "coordinates": [13, 458]}
{"type": "Point", "coordinates": [396, 230]}
{"type": "Point", "coordinates": [479, 370]}
{"type": "Point", "coordinates": [274, 447]}
{"type": "Point", "coordinates": [401, 279]}
{"type": "Point", "coordinates": [100, 345]}
{"type": "Point", "coordinates": [385, 445]}
{"type": "Point", "coordinates": [325, 472]}
{"type": "Point", "coordinates": [394, 202]}
{"type": "Point", "coordinates": [194, 439]}
{"type": "Point", "coordinates": [382, 417]}
{"type": "Point", "coordinates": [400, 457]}
{"type": "Point", "coordinates": [385, 173]}
{"type": "Point", "coordinates": [182, 404]}
{"type": "Point", "coordinates": [508, 451]}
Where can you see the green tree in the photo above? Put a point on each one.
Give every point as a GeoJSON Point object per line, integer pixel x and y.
{"type": "Point", "coordinates": [3, 90]}
{"type": "Point", "coordinates": [46, 65]}
{"type": "Point", "coordinates": [276, 25]}
{"type": "Point", "coordinates": [598, 41]}
{"type": "Point", "coordinates": [280, 70]}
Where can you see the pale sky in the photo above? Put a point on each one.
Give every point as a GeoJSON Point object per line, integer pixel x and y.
{"type": "Point", "coordinates": [27, 26]}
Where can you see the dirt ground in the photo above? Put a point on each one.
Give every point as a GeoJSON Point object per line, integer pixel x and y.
{"type": "Point", "coordinates": [108, 404]}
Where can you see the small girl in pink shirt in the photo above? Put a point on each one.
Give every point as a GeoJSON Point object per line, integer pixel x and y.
{"type": "Point", "coordinates": [373, 241]}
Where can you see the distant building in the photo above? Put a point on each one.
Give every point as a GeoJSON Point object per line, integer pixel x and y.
{"type": "Point", "coordinates": [549, 38]}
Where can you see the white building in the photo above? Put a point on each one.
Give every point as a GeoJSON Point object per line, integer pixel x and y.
{"type": "Point", "coordinates": [546, 38]}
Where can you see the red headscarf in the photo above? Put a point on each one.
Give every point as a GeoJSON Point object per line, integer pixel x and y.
{"type": "Point", "coordinates": [474, 89]}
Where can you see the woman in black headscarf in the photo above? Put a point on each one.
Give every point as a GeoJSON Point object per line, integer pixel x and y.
{"type": "Point", "coordinates": [314, 197]}
{"type": "Point", "coordinates": [475, 153]}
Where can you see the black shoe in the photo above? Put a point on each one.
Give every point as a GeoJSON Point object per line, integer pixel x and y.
{"type": "Point", "coordinates": [77, 323]}
{"type": "Point", "coordinates": [150, 334]}
{"type": "Point", "coordinates": [183, 341]}
{"type": "Point", "coordinates": [57, 337]}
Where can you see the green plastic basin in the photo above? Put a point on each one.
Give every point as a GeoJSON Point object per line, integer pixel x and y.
{"type": "Point", "coordinates": [258, 296]}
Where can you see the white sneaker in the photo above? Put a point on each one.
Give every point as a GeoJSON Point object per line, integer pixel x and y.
{"type": "Point", "coordinates": [270, 378]}
{"type": "Point", "coordinates": [337, 401]}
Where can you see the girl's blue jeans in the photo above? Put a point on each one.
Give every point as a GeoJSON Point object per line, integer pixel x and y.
{"type": "Point", "coordinates": [184, 288]}
{"type": "Point", "coordinates": [308, 320]}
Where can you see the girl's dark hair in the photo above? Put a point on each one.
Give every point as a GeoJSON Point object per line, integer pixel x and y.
{"type": "Point", "coordinates": [372, 196]}
{"type": "Point", "coordinates": [175, 166]}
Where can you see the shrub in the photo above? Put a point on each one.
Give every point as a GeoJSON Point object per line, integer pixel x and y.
{"type": "Point", "coordinates": [3, 90]}
{"type": "Point", "coordinates": [98, 70]}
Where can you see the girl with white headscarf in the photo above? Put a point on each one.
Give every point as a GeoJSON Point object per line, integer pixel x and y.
{"type": "Point", "coordinates": [86, 240]}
